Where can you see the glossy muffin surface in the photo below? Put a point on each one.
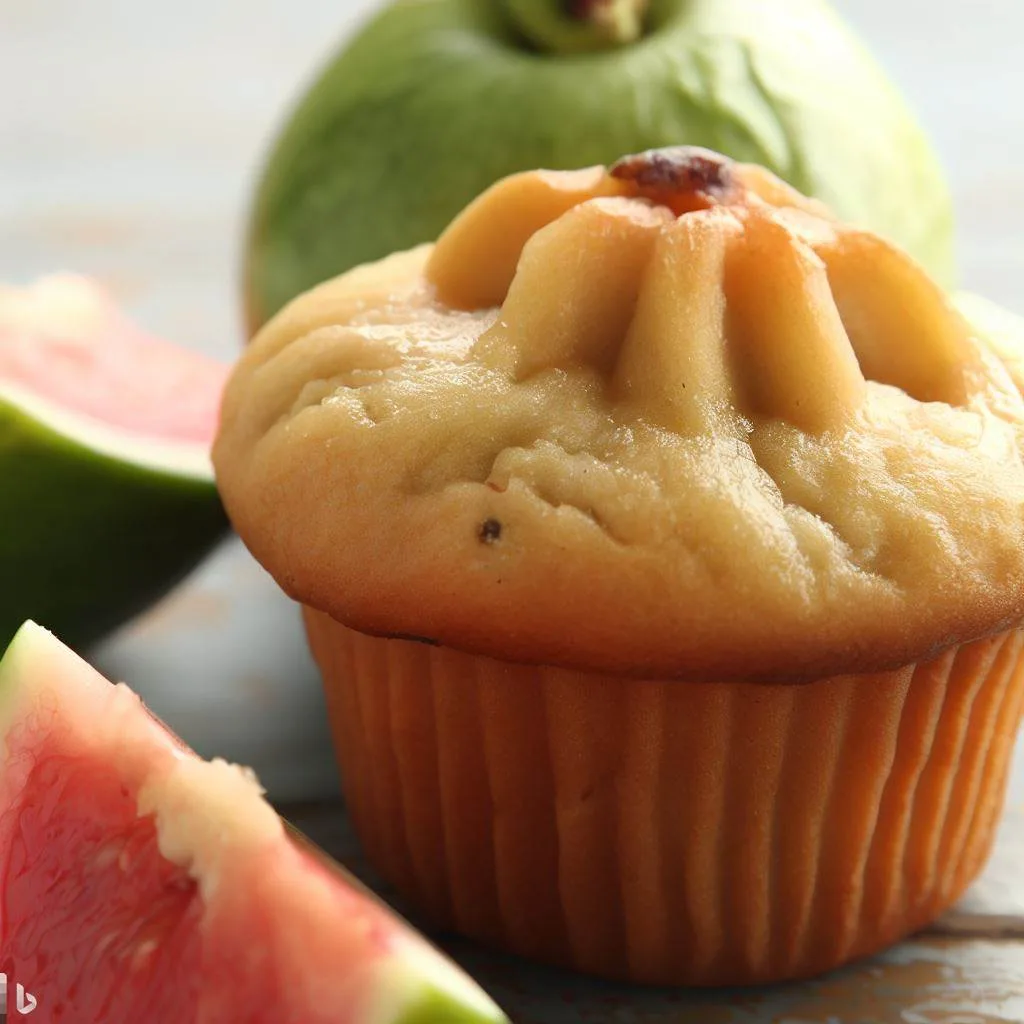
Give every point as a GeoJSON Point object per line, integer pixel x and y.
{"type": "Point", "coordinates": [666, 420]}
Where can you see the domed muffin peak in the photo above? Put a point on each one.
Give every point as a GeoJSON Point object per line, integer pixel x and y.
{"type": "Point", "coordinates": [672, 413]}
{"type": "Point", "coordinates": [694, 284]}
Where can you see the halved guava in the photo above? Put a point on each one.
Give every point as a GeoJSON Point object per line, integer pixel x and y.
{"type": "Point", "coordinates": [139, 883]}
{"type": "Point", "coordinates": [107, 495]}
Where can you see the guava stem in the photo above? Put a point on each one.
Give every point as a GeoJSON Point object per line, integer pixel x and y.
{"type": "Point", "coordinates": [578, 26]}
{"type": "Point", "coordinates": [621, 21]}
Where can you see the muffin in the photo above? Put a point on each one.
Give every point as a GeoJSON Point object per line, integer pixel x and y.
{"type": "Point", "coordinates": [661, 544]}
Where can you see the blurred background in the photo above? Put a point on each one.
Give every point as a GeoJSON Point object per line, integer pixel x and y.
{"type": "Point", "coordinates": [130, 135]}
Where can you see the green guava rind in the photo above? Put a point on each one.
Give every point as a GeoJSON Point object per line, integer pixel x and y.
{"type": "Point", "coordinates": [437, 1007]}
{"type": "Point", "coordinates": [86, 540]}
{"type": "Point", "coordinates": [433, 101]}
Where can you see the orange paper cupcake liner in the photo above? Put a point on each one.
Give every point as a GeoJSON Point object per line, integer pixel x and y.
{"type": "Point", "coordinates": [669, 832]}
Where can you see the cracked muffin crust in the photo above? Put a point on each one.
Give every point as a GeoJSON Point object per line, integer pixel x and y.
{"type": "Point", "coordinates": [669, 419]}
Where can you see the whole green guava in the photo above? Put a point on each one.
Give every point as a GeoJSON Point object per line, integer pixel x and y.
{"type": "Point", "coordinates": [434, 100]}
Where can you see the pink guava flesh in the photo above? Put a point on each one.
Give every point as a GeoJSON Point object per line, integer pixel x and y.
{"type": "Point", "coordinates": [142, 885]}
{"type": "Point", "coordinates": [101, 927]}
{"type": "Point", "coordinates": [95, 921]}
{"type": "Point", "coordinates": [109, 370]}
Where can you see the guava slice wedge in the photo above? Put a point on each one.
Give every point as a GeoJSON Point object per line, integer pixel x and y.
{"type": "Point", "coordinates": [141, 883]}
{"type": "Point", "coordinates": [107, 495]}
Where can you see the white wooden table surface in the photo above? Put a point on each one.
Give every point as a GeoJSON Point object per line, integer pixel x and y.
{"type": "Point", "coordinates": [130, 131]}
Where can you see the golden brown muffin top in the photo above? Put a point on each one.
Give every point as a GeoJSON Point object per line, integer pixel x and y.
{"type": "Point", "coordinates": [670, 419]}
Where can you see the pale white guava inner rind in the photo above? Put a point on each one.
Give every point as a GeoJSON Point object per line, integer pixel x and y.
{"type": "Point", "coordinates": [172, 458]}
{"type": "Point", "coordinates": [205, 811]}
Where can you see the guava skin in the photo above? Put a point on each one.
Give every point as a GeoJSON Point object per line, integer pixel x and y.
{"type": "Point", "coordinates": [87, 541]}
{"type": "Point", "coordinates": [434, 100]}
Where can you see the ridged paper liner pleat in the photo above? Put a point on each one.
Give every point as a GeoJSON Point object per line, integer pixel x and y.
{"type": "Point", "coordinates": [672, 832]}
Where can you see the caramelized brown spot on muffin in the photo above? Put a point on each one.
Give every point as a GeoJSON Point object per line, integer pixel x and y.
{"type": "Point", "coordinates": [683, 178]}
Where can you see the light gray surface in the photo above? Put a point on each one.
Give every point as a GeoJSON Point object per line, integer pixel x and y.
{"type": "Point", "coordinates": [130, 134]}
